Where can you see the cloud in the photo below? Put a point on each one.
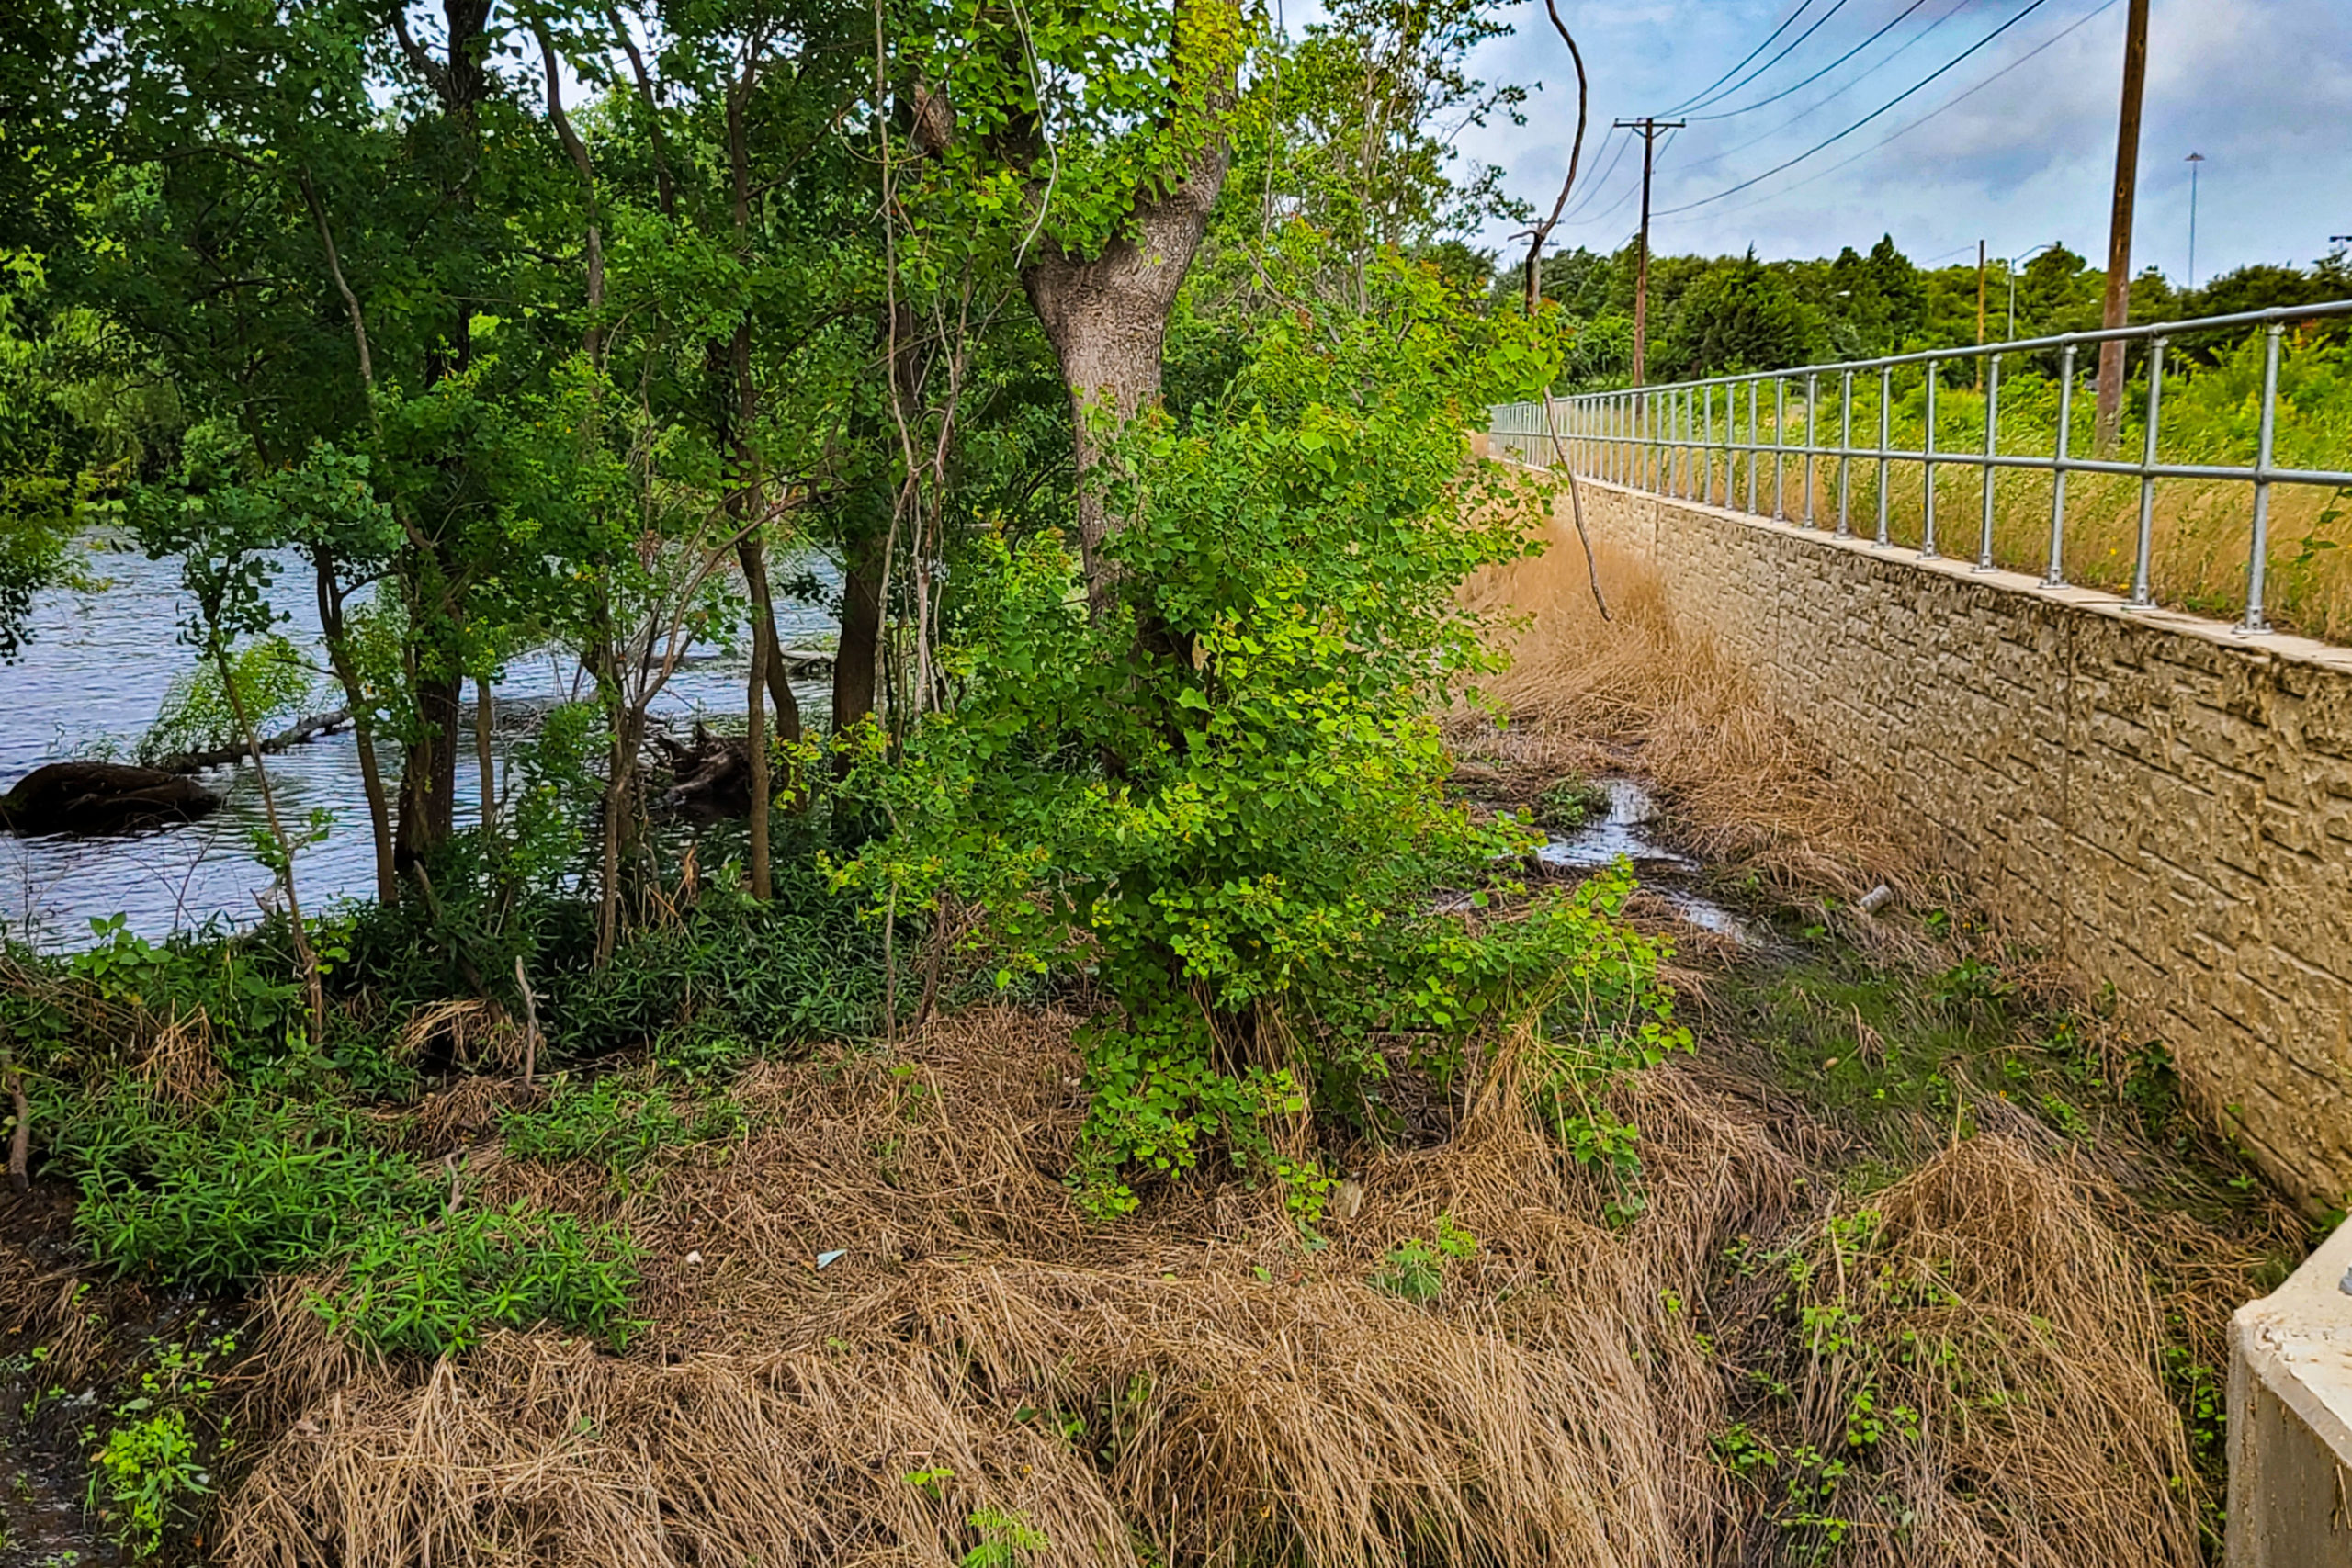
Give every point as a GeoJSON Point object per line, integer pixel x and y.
{"type": "Point", "coordinates": [2262, 88]}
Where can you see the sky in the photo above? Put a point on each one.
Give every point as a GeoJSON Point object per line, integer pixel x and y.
{"type": "Point", "coordinates": [2262, 88]}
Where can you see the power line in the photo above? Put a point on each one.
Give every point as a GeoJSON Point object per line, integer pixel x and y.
{"type": "Point", "coordinates": [1802, 8]}
{"type": "Point", "coordinates": [1905, 47]}
{"type": "Point", "coordinates": [1795, 44]}
{"type": "Point", "coordinates": [1952, 102]}
{"type": "Point", "coordinates": [1632, 190]}
{"type": "Point", "coordinates": [1817, 76]}
{"type": "Point", "coordinates": [1591, 192]}
{"type": "Point", "coordinates": [1832, 140]}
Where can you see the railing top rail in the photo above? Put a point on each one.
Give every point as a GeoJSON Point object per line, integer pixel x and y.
{"type": "Point", "coordinates": [2278, 315]}
{"type": "Point", "coordinates": [1663, 439]}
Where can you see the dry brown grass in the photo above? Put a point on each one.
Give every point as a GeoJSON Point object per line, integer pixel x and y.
{"type": "Point", "coordinates": [1230, 1394]}
{"type": "Point", "coordinates": [1987, 1299]}
{"type": "Point", "coordinates": [178, 1065]}
{"type": "Point", "coordinates": [475, 1033]}
{"type": "Point", "coordinates": [1196, 1385]}
{"type": "Point", "coordinates": [1634, 693]}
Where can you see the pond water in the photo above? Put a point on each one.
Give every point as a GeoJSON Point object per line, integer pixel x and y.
{"type": "Point", "coordinates": [93, 676]}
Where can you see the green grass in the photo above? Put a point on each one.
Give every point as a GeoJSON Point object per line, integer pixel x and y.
{"type": "Point", "coordinates": [1906, 1060]}
{"type": "Point", "coordinates": [219, 1198]}
{"type": "Point", "coordinates": [1571, 803]}
{"type": "Point", "coordinates": [435, 1287]}
{"type": "Point", "coordinates": [618, 1124]}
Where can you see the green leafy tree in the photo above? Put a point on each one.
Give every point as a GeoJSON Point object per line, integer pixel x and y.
{"type": "Point", "coordinates": [1742, 315]}
{"type": "Point", "coordinates": [1240, 813]}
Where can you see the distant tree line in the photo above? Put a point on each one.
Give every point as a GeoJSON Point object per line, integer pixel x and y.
{"type": "Point", "coordinates": [1715, 315]}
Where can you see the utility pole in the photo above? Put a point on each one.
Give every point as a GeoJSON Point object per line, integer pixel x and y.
{"type": "Point", "coordinates": [1649, 126]}
{"type": "Point", "coordinates": [1980, 313]}
{"type": "Point", "coordinates": [2192, 161]}
{"type": "Point", "coordinates": [2119, 228]}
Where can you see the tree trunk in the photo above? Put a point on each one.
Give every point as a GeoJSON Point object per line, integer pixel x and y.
{"type": "Point", "coordinates": [20, 1137]}
{"type": "Point", "coordinates": [856, 661]}
{"type": "Point", "coordinates": [1107, 318]}
{"type": "Point", "coordinates": [756, 741]}
{"type": "Point", "coordinates": [363, 723]}
{"type": "Point", "coordinates": [485, 758]}
{"type": "Point", "coordinates": [315, 991]}
{"type": "Point", "coordinates": [429, 773]}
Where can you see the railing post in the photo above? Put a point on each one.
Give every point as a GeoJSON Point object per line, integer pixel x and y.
{"type": "Point", "coordinates": [2140, 557]}
{"type": "Point", "coordinates": [2258, 564]}
{"type": "Point", "coordinates": [1662, 439]}
{"type": "Point", "coordinates": [2054, 575]}
{"type": "Point", "coordinates": [1885, 440]}
{"type": "Point", "coordinates": [1992, 449]}
{"type": "Point", "coordinates": [1845, 451]}
{"type": "Point", "coordinates": [1706, 452]}
{"type": "Point", "coordinates": [1690, 448]}
{"type": "Point", "coordinates": [1732, 455]}
{"type": "Point", "coordinates": [1669, 452]}
{"type": "Point", "coordinates": [1927, 474]}
{"type": "Point", "coordinates": [1812, 440]}
{"type": "Point", "coordinates": [1641, 433]}
{"type": "Point", "coordinates": [1655, 404]}
{"type": "Point", "coordinates": [1780, 448]}
{"type": "Point", "coordinates": [1755, 440]}
{"type": "Point", "coordinates": [1683, 456]}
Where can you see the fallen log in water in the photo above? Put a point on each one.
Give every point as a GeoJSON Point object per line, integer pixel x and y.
{"type": "Point", "coordinates": [307, 729]}
{"type": "Point", "coordinates": [710, 778]}
{"type": "Point", "coordinates": [101, 797]}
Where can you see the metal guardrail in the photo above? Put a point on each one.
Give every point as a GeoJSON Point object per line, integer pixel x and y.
{"type": "Point", "coordinates": [1663, 439]}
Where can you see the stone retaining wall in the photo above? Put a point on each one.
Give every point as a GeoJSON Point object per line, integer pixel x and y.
{"type": "Point", "coordinates": [2160, 802]}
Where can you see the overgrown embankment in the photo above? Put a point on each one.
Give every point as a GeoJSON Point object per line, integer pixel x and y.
{"type": "Point", "coordinates": [1906, 1262]}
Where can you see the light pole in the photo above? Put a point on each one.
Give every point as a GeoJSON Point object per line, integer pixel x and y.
{"type": "Point", "coordinates": [2192, 161]}
{"type": "Point", "coordinates": [2014, 261]}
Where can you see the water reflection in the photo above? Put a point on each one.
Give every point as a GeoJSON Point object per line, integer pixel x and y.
{"type": "Point", "coordinates": [93, 675]}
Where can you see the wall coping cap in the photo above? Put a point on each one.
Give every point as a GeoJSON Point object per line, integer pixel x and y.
{"type": "Point", "coordinates": [2298, 1342]}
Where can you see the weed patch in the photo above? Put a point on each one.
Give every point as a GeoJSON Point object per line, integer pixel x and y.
{"type": "Point", "coordinates": [435, 1289]}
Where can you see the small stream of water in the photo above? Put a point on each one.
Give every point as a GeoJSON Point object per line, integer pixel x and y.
{"type": "Point", "coordinates": [93, 676]}
{"type": "Point", "coordinates": [1624, 834]}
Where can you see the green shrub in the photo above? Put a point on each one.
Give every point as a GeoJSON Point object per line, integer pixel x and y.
{"type": "Point", "coordinates": [149, 1474]}
{"type": "Point", "coordinates": [144, 1477]}
{"type": "Point", "coordinates": [1228, 784]}
{"type": "Point", "coordinates": [1415, 1270]}
{"type": "Point", "coordinates": [273, 678]}
{"type": "Point", "coordinates": [733, 979]}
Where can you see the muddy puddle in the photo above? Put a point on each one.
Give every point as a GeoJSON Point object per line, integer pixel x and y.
{"type": "Point", "coordinates": [42, 1523]}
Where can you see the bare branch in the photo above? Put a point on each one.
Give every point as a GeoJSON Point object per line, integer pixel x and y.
{"type": "Point", "coordinates": [1543, 230]}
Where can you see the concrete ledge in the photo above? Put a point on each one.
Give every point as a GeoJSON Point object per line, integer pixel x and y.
{"type": "Point", "coordinates": [2291, 1418]}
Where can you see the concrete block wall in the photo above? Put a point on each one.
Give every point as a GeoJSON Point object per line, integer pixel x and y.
{"type": "Point", "coordinates": [2158, 802]}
